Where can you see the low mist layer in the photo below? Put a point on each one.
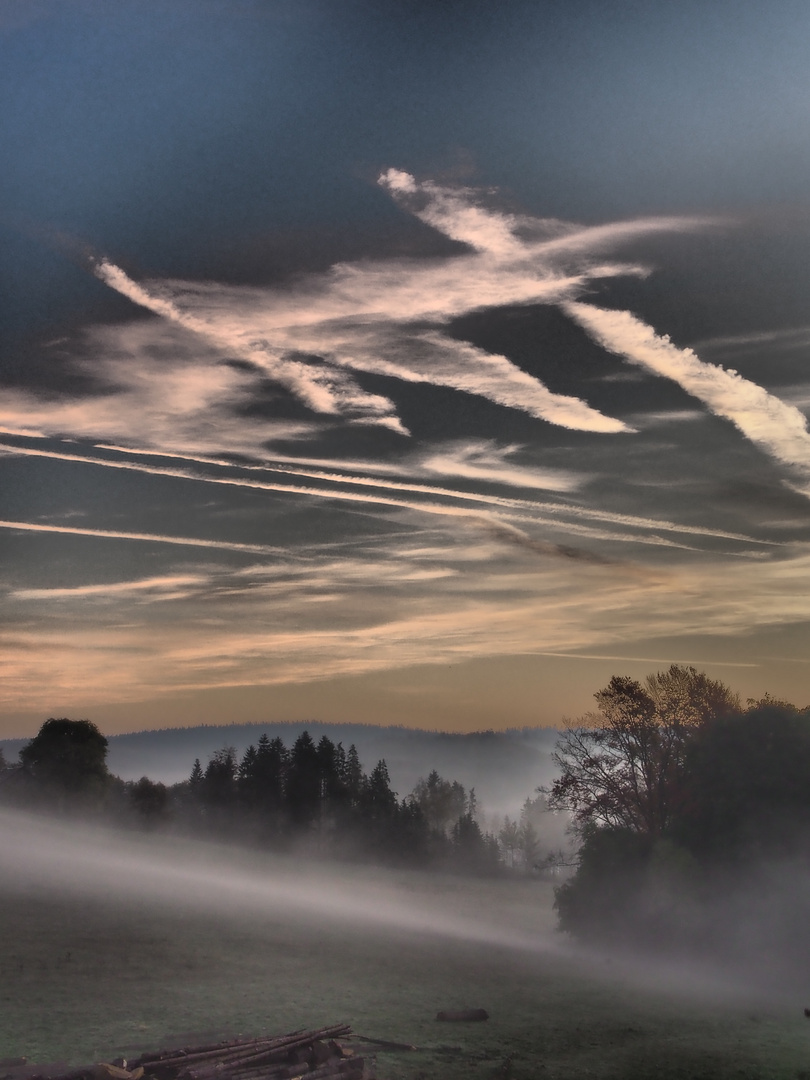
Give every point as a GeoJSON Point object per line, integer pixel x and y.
{"type": "Point", "coordinates": [41, 857]}
{"type": "Point", "coordinates": [47, 856]}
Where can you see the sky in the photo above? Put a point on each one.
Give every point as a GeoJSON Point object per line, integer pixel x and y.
{"type": "Point", "coordinates": [400, 363]}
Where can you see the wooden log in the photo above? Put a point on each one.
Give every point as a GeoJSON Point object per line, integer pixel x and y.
{"type": "Point", "coordinates": [263, 1072]}
{"type": "Point", "coordinates": [334, 1063]}
{"type": "Point", "coordinates": [175, 1058]}
{"type": "Point", "coordinates": [221, 1051]}
{"type": "Point", "coordinates": [264, 1058]}
{"type": "Point", "coordinates": [197, 1051]}
{"type": "Point", "coordinates": [322, 1052]}
{"type": "Point", "coordinates": [290, 1042]}
{"type": "Point", "coordinates": [296, 1038]}
{"type": "Point", "coordinates": [234, 1051]}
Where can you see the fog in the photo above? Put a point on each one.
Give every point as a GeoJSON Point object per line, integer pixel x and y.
{"type": "Point", "coordinates": [762, 944]}
{"type": "Point", "coordinates": [37, 853]}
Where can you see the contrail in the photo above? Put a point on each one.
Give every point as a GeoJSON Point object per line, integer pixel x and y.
{"type": "Point", "coordinates": [295, 468]}
{"type": "Point", "coordinates": [324, 389]}
{"type": "Point", "coordinates": [475, 517]}
{"type": "Point", "coordinates": [703, 662]}
{"type": "Point", "coordinates": [154, 538]}
{"type": "Point", "coordinates": [767, 421]}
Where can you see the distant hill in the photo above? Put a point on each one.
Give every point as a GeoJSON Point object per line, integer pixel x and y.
{"type": "Point", "coordinates": [504, 767]}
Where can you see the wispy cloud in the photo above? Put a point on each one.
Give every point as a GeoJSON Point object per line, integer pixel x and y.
{"type": "Point", "coordinates": [773, 340]}
{"type": "Point", "coordinates": [490, 513]}
{"type": "Point", "coordinates": [454, 548]}
{"type": "Point", "coordinates": [776, 427]}
{"type": "Point", "coordinates": [323, 388]}
{"type": "Point", "coordinates": [463, 515]}
{"type": "Point", "coordinates": [482, 460]}
{"type": "Point", "coordinates": [461, 213]}
{"type": "Point", "coordinates": [512, 535]}
{"type": "Point", "coordinates": [119, 534]}
{"type": "Point", "coordinates": [164, 587]}
{"type": "Point", "coordinates": [474, 459]}
{"type": "Point", "coordinates": [386, 317]}
{"type": "Point", "coordinates": [431, 358]}
{"type": "Point", "coordinates": [158, 387]}
{"type": "Point", "coordinates": [671, 416]}
{"type": "Point", "coordinates": [662, 661]}
{"type": "Point", "coordinates": [367, 621]}
{"type": "Point", "coordinates": [194, 381]}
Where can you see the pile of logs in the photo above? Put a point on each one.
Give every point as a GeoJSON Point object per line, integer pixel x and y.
{"type": "Point", "coordinates": [302, 1055]}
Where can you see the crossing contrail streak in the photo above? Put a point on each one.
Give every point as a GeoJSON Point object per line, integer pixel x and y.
{"type": "Point", "coordinates": [155, 538]}
{"type": "Point", "coordinates": [535, 508]}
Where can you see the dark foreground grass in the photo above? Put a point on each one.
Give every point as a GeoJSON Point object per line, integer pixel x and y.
{"type": "Point", "coordinates": [85, 981]}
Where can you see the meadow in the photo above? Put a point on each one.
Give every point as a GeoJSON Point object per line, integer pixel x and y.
{"type": "Point", "coordinates": [90, 972]}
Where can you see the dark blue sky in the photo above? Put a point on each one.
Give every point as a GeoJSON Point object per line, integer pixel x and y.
{"type": "Point", "coordinates": [175, 134]}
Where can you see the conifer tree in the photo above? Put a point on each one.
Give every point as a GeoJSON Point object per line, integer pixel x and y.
{"type": "Point", "coordinates": [378, 798]}
{"type": "Point", "coordinates": [353, 777]}
{"type": "Point", "coordinates": [218, 788]}
{"type": "Point", "coordinates": [246, 778]}
{"type": "Point", "coordinates": [304, 782]}
{"type": "Point", "coordinates": [271, 766]}
{"type": "Point", "coordinates": [195, 779]}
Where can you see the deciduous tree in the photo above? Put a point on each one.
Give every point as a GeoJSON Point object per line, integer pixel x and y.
{"type": "Point", "coordinates": [622, 766]}
{"type": "Point", "coordinates": [69, 759]}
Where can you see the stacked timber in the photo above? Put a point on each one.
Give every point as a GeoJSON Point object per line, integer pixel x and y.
{"type": "Point", "coordinates": [313, 1055]}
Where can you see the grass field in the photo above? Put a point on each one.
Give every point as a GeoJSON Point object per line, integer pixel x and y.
{"type": "Point", "coordinates": [84, 979]}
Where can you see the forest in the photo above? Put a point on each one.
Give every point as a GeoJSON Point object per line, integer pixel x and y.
{"type": "Point", "coordinates": [312, 799]}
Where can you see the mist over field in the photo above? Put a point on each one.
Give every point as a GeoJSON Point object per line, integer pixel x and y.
{"type": "Point", "coordinates": [60, 859]}
{"type": "Point", "coordinates": [117, 939]}
{"type": "Point", "coordinates": [760, 939]}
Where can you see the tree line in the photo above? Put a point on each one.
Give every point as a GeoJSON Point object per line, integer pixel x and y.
{"type": "Point", "coordinates": [313, 798]}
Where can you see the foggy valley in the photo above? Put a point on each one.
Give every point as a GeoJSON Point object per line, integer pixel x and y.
{"type": "Point", "coordinates": [137, 914]}
{"type": "Point", "coordinates": [404, 540]}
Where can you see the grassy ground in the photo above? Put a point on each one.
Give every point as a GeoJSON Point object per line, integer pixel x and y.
{"type": "Point", "coordinates": [81, 981]}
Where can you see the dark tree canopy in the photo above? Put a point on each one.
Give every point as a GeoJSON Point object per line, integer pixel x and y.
{"type": "Point", "coordinates": [441, 801]}
{"type": "Point", "coordinates": [68, 756]}
{"type": "Point", "coordinates": [678, 792]}
{"type": "Point", "coordinates": [150, 800]}
{"type": "Point", "coordinates": [747, 792]}
{"type": "Point", "coordinates": [622, 766]}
